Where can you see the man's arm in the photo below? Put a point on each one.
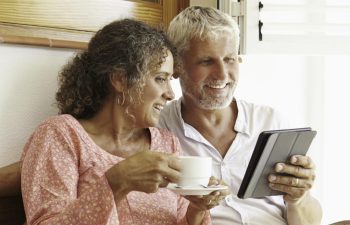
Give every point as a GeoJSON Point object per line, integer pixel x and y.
{"type": "Point", "coordinates": [305, 211]}
{"type": "Point", "coordinates": [302, 208]}
{"type": "Point", "coordinates": [10, 180]}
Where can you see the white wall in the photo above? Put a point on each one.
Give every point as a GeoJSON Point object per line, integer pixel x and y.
{"type": "Point", "coordinates": [27, 87]}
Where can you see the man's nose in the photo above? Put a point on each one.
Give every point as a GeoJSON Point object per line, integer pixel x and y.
{"type": "Point", "coordinates": [221, 71]}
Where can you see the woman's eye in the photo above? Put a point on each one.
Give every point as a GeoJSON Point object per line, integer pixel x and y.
{"type": "Point", "coordinates": [160, 79]}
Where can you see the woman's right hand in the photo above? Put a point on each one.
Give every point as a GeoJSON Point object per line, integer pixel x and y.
{"type": "Point", "coordinates": [145, 171]}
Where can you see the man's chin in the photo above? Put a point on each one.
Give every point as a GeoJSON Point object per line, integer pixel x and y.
{"type": "Point", "coordinates": [213, 105]}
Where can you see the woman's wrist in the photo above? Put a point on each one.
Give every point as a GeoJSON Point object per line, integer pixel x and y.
{"type": "Point", "coordinates": [117, 182]}
{"type": "Point", "coordinates": [194, 215]}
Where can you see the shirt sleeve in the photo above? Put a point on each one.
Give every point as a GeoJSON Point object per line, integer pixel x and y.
{"type": "Point", "coordinates": [182, 203]}
{"type": "Point", "coordinates": [50, 176]}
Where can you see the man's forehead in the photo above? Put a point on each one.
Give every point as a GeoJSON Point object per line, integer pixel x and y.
{"type": "Point", "coordinates": [223, 43]}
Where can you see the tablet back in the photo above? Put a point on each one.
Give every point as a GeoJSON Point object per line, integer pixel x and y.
{"type": "Point", "coordinates": [272, 147]}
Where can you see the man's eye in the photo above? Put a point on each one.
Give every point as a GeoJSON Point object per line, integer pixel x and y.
{"type": "Point", "coordinates": [206, 61]}
{"type": "Point", "coordinates": [232, 60]}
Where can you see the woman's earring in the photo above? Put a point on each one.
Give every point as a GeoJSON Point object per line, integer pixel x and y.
{"type": "Point", "coordinates": [122, 100]}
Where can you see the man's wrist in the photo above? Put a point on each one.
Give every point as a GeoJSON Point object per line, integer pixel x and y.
{"type": "Point", "coordinates": [299, 201]}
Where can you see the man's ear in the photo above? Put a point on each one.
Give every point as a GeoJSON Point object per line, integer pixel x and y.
{"type": "Point", "coordinates": [178, 70]}
{"type": "Point", "coordinates": [118, 81]}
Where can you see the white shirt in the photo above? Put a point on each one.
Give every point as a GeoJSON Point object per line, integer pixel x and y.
{"type": "Point", "coordinates": [251, 120]}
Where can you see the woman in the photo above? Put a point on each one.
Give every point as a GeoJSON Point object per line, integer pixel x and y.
{"type": "Point", "coordinates": [102, 161]}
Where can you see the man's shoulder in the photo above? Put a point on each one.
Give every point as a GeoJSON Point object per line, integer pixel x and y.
{"type": "Point", "coordinates": [169, 115]}
{"type": "Point", "coordinates": [170, 106]}
{"type": "Point", "coordinates": [251, 107]}
{"type": "Point", "coordinates": [260, 116]}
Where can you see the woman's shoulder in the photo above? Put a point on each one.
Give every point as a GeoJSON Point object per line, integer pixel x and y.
{"type": "Point", "coordinates": [163, 133]}
{"type": "Point", "coordinates": [163, 139]}
{"type": "Point", "coordinates": [60, 126]}
{"type": "Point", "coordinates": [62, 122]}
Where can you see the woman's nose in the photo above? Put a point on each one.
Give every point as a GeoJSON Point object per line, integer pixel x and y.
{"type": "Point", "coordinates": [169, 94]}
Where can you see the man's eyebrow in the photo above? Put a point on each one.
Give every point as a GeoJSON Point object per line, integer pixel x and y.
{"type": "Point", "coordinates": [233, 54]}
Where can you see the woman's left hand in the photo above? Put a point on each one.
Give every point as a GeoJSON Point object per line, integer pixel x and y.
{"type": "Point", "coordinates": [205, 202]}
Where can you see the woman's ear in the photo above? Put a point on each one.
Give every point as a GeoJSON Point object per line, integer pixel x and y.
{"type": "Point", "coordinates": [118, 81]}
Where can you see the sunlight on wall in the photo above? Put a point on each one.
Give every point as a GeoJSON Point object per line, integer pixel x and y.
{"type": "Point", "coordinates": [337, 152]}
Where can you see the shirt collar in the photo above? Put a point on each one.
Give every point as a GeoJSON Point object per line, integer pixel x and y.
{"type": "Point", "coordinates": [241, 125]}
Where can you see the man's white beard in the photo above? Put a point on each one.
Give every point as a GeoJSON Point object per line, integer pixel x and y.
{"type": "Point", "coordinates": [203, 101]}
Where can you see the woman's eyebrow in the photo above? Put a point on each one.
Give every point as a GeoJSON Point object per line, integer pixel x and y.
{"type": "Point", "coordinates": [163, 73]}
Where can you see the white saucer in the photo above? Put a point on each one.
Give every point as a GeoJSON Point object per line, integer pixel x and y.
{"type": "Point", "coordinates": [194, 190]}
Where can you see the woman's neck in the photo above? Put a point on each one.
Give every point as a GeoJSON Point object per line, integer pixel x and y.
{"type": "Point", "coordinates": [114, 131]}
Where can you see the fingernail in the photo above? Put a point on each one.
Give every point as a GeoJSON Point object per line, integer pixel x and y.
{"type": "Point", "coordinates": [216, 182]}
{"type": "Point", "coordinates": [294, 159]}
{"type": "Point", "coordinates": [272, 178]}
{"type": "Point", "coordinates": [279, 167]}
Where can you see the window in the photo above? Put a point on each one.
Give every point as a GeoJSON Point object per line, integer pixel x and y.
{"type": "Point", "coordinates": [299, 26]}
{"type": "Point", "coordinates": [71, 24]}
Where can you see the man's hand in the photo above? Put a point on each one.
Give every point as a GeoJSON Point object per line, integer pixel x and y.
{"type": "Point", "coordinates": [295, 179]}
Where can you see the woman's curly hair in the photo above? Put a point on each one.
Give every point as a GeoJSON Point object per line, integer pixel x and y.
{"type": "Point", "coordinates": [124, 45]}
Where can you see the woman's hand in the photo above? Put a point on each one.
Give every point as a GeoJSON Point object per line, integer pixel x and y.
{"type": "Point", "coordinates": [200, 203]}
{"type": "Point", "coordinates": [205, 202]}
{"type": "Point", "coordinates": [298, 181]}
{"type": "Point", "coordinates": [145, 171]}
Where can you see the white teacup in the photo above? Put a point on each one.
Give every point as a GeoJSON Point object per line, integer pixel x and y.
{"type": "Point", "coordinates": [196, 171]}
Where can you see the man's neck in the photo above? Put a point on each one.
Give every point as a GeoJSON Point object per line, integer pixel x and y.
{"type": "Point", "coordinates": [217, 126]}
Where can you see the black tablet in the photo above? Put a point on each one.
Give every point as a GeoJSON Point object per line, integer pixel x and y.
{"type": "Point", "coordinates": [272, 147]}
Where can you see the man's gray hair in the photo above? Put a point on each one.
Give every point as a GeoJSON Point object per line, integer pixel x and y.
{"type": "Point", "coordinates": [203, 23]}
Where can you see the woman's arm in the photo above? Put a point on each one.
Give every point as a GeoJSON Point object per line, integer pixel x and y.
{"type": "Point", "coordinates": [50, 181]}
{"type": "Point", "coordinates": [10, 180]}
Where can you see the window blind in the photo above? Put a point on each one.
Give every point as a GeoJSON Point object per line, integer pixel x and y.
{"type": "Point", "coordinates": [307, 26]}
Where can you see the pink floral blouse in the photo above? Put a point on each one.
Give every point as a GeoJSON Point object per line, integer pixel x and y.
{"type": "Point", "coordinates": [63, 181]}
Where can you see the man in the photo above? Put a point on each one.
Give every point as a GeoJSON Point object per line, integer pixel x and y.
{"type": "Point", "coordinates": [209, 121]}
